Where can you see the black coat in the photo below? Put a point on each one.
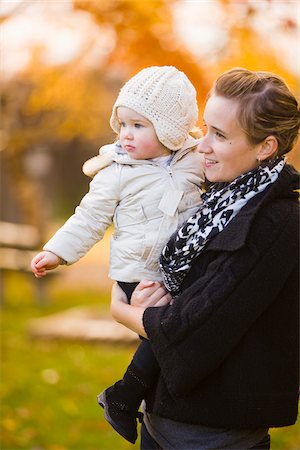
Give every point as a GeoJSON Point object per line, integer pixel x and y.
{"type": "Point", "coordinates": [228, 347]}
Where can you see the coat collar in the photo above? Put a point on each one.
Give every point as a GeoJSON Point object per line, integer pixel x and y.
{"type": "Point", "coordinates": [235, 234]}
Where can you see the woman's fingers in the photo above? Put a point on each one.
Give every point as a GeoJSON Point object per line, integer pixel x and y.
{"type": "Point", "coordinates": [163, 301]}
{"type": "Point", "coordinates": [157, 295]}
{"type": "Point", "coordinates": [142, 293]}
{"type": "Point", "coordinates": [150, 294]}
{"type": "Point", "coordinates": [144, 290]}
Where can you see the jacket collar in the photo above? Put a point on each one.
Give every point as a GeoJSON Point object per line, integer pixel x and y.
{"type": "Point", "coordinates": [235, 234]}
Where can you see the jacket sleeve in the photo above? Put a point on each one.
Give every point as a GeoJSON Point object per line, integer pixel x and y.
{"type": "Point", "coordinates": [91, 218]}
{"type": "Point", "coordinates": [202, 327]}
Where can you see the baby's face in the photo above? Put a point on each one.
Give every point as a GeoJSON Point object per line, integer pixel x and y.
{"type": "Point", "coordinates": [138, 136]}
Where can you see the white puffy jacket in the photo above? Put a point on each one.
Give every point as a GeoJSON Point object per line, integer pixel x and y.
{"type": "Point", "coordinates": [146, 203]}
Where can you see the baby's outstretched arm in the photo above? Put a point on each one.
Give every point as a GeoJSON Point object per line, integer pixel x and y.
{"type": "Point", "coordinates": [44, 261]}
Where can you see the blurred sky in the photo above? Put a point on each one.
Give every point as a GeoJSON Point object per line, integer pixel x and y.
{"type": "Point", "coordinates": [204, 27]}
{"type": "Point", "coordinates": [199, 24]}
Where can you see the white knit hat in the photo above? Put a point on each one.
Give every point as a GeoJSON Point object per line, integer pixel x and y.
{"type": "Point", "coordinates": [166, 97]}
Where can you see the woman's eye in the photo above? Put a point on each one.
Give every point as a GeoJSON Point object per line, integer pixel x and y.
{"type": "Point", "coordinates": [204, 129]}
{"type": "Point", "coordinates": [220, 135]}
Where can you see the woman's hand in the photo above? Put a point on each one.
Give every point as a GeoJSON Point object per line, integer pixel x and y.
{"type": "Point", "coordinates": [147, 293]}
{"type": "Point", "coordinates": [150, 293]}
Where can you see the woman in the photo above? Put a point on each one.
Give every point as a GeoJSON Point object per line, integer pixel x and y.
{"type": "Point", "coordinates": [227, 342]}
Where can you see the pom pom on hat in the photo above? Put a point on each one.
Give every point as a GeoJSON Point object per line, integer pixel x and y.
{"type": "Point", "coordinates": [166, 97]}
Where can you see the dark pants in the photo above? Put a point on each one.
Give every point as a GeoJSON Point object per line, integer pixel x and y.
{"type": "Point", "coordinates": [148, 443]}
{"type": "Point", "coordinates": [128, 288]}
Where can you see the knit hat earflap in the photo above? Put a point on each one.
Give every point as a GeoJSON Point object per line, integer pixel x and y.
{"type": "Point", "coordinates": [166, 97]}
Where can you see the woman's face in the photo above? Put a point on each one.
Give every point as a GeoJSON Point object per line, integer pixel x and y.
{"type": "Point", "coordinates": [225, 147]}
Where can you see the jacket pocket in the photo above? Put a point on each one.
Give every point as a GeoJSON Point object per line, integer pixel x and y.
{"type": "Point", "coordinates": [127, 217]}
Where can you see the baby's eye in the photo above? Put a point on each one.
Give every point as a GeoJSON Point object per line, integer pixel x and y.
{"type": "Point", "coordinates": [122, 124]}
{"type": "Point", "coordinates": [138, 125]}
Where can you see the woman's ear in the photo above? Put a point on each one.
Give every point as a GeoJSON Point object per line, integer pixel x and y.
{"type": "Point", "coordinates": [268, 148]}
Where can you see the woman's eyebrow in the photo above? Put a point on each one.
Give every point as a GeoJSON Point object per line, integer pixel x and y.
{"type": "Point", "coordinates": [219, 130]}
{"type": "Point", "coordinates": [213, 127]}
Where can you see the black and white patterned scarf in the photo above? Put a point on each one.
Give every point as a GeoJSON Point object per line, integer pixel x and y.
{"type": "Point", "coordinates": [218, 209]}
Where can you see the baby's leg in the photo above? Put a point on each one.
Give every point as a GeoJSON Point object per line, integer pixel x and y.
{"type": "Point", "coordinates": [128, 288]}
{"type": "Point", "coordinates": [145, 363]}
{"type": "Point", "coordinates": [121, 401]}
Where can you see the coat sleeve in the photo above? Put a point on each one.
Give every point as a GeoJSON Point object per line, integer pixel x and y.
{"type": "Point", "coordinates": [202, 327]}
{"type": "Point", "coordinates": [91, 218]}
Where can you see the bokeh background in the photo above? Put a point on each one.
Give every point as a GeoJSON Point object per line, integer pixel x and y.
{"type": "Point", "coordinates": [62, 65]}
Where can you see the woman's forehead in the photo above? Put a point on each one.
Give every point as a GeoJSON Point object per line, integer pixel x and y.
{"type": "Point", "coordinates": [221, 112]}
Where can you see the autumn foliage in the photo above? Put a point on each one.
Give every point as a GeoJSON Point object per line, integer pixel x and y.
{"type": "Point", "coordinates": [57, 116]}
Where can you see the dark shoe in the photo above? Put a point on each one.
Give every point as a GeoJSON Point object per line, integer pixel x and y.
{"type": "Point", "coordinates": [119, 415]}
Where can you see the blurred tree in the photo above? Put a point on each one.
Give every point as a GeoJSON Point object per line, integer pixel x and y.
{"type": "Point", "coordinates": [246, 48]}
{"type": "Point", "coordinates": [145, 35]}
{"type": "Point", "coordinates": [51, 111]}
{"type": "Point", "coordinates": [55, 117]}
{"type": "Point", "coordinates": [64, 110]}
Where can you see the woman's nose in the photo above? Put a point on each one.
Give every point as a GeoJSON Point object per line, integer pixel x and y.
{"type": "Point", "coordinates": [203, 146]}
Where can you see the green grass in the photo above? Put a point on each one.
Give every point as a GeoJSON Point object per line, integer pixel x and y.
{"type": "Point", "coordinates": [49, 388]}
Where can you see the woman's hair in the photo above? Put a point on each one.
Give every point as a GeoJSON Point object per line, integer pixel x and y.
{"type": "Point", "coordinates": [267, 107]}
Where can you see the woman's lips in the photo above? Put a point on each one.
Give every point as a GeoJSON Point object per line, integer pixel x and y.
{"type": "Point", "coordinates": [209, 163]}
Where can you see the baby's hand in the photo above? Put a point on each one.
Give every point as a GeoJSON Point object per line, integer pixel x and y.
{"type": "Point", "coordinates": [44, 261]}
